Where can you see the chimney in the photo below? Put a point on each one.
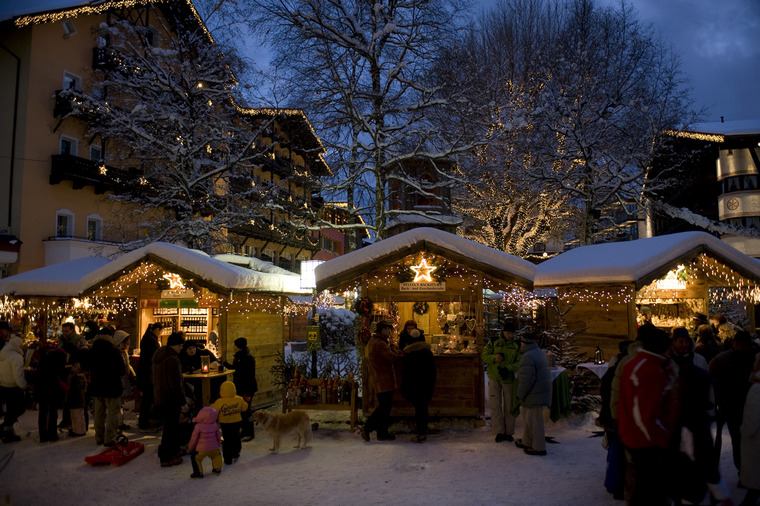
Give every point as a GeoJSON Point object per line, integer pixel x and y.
{"type": "Point", "coordinates": [722, 119]}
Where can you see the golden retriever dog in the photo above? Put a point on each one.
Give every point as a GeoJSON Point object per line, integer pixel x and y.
{"type": "Point", "coordinates": [279, 425]}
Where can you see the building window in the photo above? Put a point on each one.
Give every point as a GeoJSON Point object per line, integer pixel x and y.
{"type": "Point", "coordinates": [72, 82]}
{"type": "Point", "coordinates": [94, 228]}
{"type": "Point", "coordinates": [69, 29]}
{"type": "Point", "coordinates": [96, 153]}
{"type": "Point", "coordinates": [68, 146]}
{"type": "Point", "coordinates": [64, 223]}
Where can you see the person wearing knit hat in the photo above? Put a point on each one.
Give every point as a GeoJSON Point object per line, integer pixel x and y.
{"type": "Point", "coordinates": [380, 359]}
{"type": "Point", "coordinates": [106, 370]}
{"type": "Point", "coordinates": [410, 334]}
{"type": "Point", "coordinates": [169, 395]}
{"type": "Point", "coordinates": [534, 390]}
{"type": "Point", "coordinates": [502, 358]}
{"type": "Point", "coordinates": [244, 378]}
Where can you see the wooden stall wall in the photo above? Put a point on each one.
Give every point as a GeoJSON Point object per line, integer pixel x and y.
{"type": "Point", "coordinates": [594, 326]}
{"type": "Point", "coordinates": [264, 332]}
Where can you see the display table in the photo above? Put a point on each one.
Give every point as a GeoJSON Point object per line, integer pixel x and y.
{"type": "Point", "coordinates": [597, 369]}
{"type": "Point", "coordinates": [205, 379]}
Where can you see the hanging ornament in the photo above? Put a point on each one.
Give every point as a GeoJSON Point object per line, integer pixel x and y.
{"type": "Point", "coordinates": [421, 307]}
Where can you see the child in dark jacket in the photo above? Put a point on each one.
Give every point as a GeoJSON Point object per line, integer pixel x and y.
{"type": "Point", "coordinates": [205, 442]}
{"type": "Point", "coordinates": [230, 407]}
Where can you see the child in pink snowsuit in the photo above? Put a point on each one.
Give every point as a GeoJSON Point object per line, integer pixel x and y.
{"type": "Point", "coordinates": [206, 441]}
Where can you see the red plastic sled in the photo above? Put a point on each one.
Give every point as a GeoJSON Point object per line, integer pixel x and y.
{"type": "Point", "coordinates": [123, 452]}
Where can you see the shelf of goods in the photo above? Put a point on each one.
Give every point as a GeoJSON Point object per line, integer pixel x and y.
{"type": "Point", "coordinates": [334, 394]}
{"type": "Point", "coordinates": [192, 321]}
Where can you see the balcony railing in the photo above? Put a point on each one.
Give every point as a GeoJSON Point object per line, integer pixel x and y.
{"type": "Point", "coordinates": [83, 172]}
{"type": "Point", "coordinates": [261, 230]}
{"type": "Point", "coordinates": [63, 104]}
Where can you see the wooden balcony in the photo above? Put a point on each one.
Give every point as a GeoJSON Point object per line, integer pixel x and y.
{"type": "Point", "coordinates": [82, 172]}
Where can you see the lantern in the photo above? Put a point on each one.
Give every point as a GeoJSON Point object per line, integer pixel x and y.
{"type": "Point", "coordinates": [205, 363]}
{"type": "Point", "coordinates": [598, 356]}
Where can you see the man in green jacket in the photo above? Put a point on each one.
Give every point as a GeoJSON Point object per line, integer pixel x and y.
{"type": "Point", "coordinates": [502, 358]}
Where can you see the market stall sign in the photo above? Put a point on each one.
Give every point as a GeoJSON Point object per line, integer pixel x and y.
{"type": "Point", "coordinates": [178, 293]}
{"type": "Point", "coordinates": [432, 286]}
{"type": "Point", "coordinates": [312, 337]}
{"type": "Point", "coordinates": [175, 302]}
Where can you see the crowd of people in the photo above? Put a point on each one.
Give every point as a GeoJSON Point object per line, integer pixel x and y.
{"type": "Point", "coordinates": [77, 375]}
{"type": "Point", "coordinates": [661, 397]}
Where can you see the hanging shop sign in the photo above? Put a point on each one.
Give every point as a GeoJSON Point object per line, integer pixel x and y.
{"type": "Point", "coordinates": [174, 303]}
{"type": "Point", "coordinates": [433, 286]}
{"type": "Point", "coordinates": [178, 293]}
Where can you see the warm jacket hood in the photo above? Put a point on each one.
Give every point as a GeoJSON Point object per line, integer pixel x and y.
{"type": "Point", "coordinates": [14, 344]}
{"type": "Point", "coordinates": [227, 390]}
{"type": "Point", "coordinates": [206, 415]}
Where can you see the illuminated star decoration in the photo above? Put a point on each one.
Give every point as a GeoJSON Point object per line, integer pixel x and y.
{"type": "Point", "coordinates": [175, 281]}
{"type": "Point", "coordinates": [423, 271]}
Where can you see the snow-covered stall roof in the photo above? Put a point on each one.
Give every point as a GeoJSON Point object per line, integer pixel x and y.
{"type": "Point", "coordinates": [470, 253]}
{"type": "Point", "coordinates": [639, 261]}
{"type": "Point", "coordinates": [727, 128]}
{"type": "Point", "coordinates": [79, 276]}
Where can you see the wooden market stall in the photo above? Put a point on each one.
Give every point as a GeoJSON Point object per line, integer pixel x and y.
{"type": "Point", "coordinates": [437, 279]}
{"type": "Point", "coordinates": [606, 290]}
{"type": "Point", "coordinates": [212, 301]}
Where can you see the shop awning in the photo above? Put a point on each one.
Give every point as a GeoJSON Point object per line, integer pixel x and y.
{"type": "Point", "coordinates": [71, 279]}
{"type": "Point", "coordinates": [639, 262]}
{"type": "Point", "coordinates": [471, 254]}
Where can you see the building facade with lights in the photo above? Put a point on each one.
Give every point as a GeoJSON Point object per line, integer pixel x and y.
{"type": "Point", "coordinates": [721, 183]}
{"type": "Point", "coordinates": [55, 181]}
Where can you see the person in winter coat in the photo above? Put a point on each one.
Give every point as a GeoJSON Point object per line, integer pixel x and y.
{"type": "Point", "coordinates": [750, 471]}
{"type": "Point", "coordinates": [418, 379]}
{"type": "Point", "coordinates": [76, 400]}
{"type": "Point", "coordinates": [149, 344]}
{"type": "Point", "coordinates": [205, 441]}
{"type": "Point", "coordinates": [244, 377]}
{"type": "Point", "coordinates": [382, 376]}
{"type": "Point", "coordinates": [405, 338]}
{"type": "Point", "coordinates": [614, 478]}
{"type": "Point", "coordinates": [647, 417]}
{"type": "Point", "coordinates": [169, 397]}
{"type": "Point", "coordinates": [730, 371]}
{"type": "Point", "coordinates": [12, 385]}
{"type": "Point", "coordinates": [534, 391]}
{"type": "Point", "coordinates": [50, 388]}
{"type": "Point", "coordinates": [707, 344]}
{"type": "Point", "coordinates": [502, 359]}
{"type": "Point", "coordinates": [230, 407]}
{"type": "Point", "coordinates": [695, 416]}
{"type": "Point", "coordinates": [106, 369]}
{"type": "Point", "coordinates": [121, 342]}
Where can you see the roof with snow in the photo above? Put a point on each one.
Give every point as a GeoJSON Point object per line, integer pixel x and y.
{"type": "Point", "coordinates": [78, 277]}
{"type": "Point", "coordinates": [728, 128]}
{"type": "Point", "coordinates": [640, 261]}
{"type": "Point", "coordinates": [32, 12]}
{"type": "Point", "coordinates": [494, 263]}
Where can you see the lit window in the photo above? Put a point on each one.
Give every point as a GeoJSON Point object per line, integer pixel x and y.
{"type": "Point", "coordinates": [94, 228]}
{"type": "Point", "coordinates": [64, 223]}
{"type": "Point", "coordinates": [96, 153]}
{"type": "Point", "coordinates": [68, 146]}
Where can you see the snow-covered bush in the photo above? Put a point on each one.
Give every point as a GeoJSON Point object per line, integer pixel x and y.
{"type": "Point", "coordinates": [336, 328]}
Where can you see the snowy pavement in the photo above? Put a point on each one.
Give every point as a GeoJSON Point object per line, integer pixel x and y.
{"type": "Point", "coordinates": [457, 466]}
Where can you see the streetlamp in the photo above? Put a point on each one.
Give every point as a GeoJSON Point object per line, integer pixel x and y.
{"type": "Point", "coordinates": [309, 281]}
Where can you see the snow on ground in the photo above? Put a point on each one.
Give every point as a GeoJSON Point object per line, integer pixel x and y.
{"type": "Point", "coordinates": [460, 465]}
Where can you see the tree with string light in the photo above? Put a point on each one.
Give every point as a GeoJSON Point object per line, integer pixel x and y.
{"type": "Point", "coordinates": [363, 71]}
{"type": "Point", "coordinates": [164, 107]}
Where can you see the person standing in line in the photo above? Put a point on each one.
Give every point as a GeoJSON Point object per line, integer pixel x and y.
{"type": "Point", "coordinates": [121, 342]}
{"type": "Point", "coordinates": [418, 377]}
{"type": "Point", "coordinates": [50, 388]}
{"type": "Point", "coordinates": [106, 369]}
{"type": "Point", "coordinates": [244, 378]}
{"type": "Point", "coordinates": [380, 364]}
{"type": "Point", "coordinates": [534, 391]}
{"type": "Point", "coordinates": [647, 418]}
{"type": "Point", "coordinates": [12, 385]}
{"type": "Point", "coordinates": [730, 371]}
{"type": "Point", "coordinates": [149, 344]}
{"type": "Point", "coordinates": [169, 397]}
{"type": "Point", "coordinates": [750, 471]}
{"type": "Point", "coordinates": [502, 359]}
